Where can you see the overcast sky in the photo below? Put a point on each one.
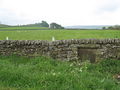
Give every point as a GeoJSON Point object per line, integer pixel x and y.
{"type": "Point", "coordinates": [64, 12]}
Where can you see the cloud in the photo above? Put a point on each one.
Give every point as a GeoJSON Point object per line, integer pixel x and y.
{"type": "Point", "coordinates": [11, 18]}
{"type": "Point", "coordinates": [111, 8]}
{"type": "Point", "coordinates": [108, 6]}
{"type": "Point", "coordinates": [107, 12]}
{"type": "Point", "coordinates": [65, 12]}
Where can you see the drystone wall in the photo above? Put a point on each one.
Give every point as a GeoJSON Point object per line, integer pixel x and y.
{"type": "Point", "coordinates": [83, 49]}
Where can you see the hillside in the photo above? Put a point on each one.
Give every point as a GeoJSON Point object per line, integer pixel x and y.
{"type": "Point", "coordinates": [27, 25]}
{"type": "Point", "coordinates": [87, 27]}
{"type": "Point", "coordinates": [32, 25]}
{"type": "Point", "coordinates": [41, 24]}
{"type": "Point", "coordinates": [3, 25]}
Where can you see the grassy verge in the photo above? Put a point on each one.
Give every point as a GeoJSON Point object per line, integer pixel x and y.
{"type": "Point", "coordinates": [41, 73]}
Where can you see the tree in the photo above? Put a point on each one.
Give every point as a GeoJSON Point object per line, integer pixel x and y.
{"type": "Point", "coordinates": [56, 26]}
{"type": "Point", "coordinates": [104, 28]}
{"type": "Point", "coordinates": [115, 27]}
{"type": "Point", "coordinates": [44, 24]}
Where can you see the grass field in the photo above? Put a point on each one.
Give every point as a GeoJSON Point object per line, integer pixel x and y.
{"type": "Point", "coordinates": [22, 28]}
{"type": "Point", "coordinates": [58, 34]}
{"type": "Point", "coordinates": [20, 73]}
{"type": "Point", "coordinates": [41, 73]}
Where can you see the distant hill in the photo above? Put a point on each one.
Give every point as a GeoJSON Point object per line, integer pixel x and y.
{"type": "Point", "coordinates": [3, 25]}
{"type": "Point", "coordinates": [87, 27]}
{"type": "Point", "coordinates": [32, 25]}
{"type": "Point", "coordinates": [41, 24]}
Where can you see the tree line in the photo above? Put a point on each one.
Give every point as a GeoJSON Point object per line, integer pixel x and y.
{"type": "Point", "coordinates": [115, 27]}
{"type": "Point", "coordinates": [44, 24]}
{"type": "Point", "coordinates": [52, 25]}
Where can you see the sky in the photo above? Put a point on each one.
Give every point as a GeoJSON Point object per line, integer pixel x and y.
{"type": "Point", "coordinates": [64, 12]}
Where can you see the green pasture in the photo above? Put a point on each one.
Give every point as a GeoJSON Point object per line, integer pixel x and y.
{"type": "Point", "coordinates": [58, 34]}
{"type": "Point", "coordinates": [41, 73]}
{"type": "Point", "coordinates": [22, 28]}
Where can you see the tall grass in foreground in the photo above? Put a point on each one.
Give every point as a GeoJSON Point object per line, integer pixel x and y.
{"type": "Point", "coordinates": [41, 73]}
